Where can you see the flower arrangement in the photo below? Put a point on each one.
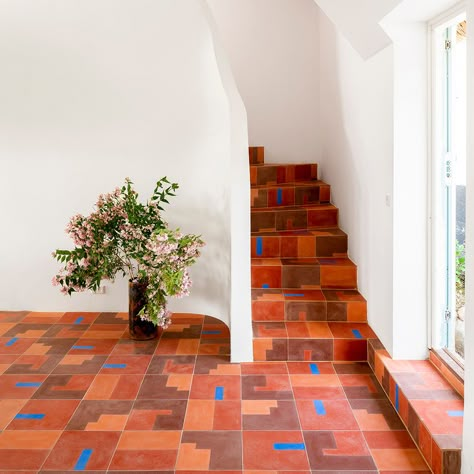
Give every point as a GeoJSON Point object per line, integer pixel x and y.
{"type": "Point", "coordinates": [125, 236]}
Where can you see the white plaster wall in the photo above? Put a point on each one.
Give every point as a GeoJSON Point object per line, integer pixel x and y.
{"type": "Point", "coordinates": [92, 92]}
{"type": "Point", "coordinates": [273, 47]}
{"type": "Point", "coordinates": [357, 160]}
{"type": "Point", "coordinates": [359, 21]}
{"type": "Point", "coordinates": [410, 189]}
{"type": "Point", "coordinates": [241, 320]}
{"type": "Point", "coordinates": [468, 437]}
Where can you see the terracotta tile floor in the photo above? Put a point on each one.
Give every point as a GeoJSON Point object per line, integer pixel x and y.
{"type": "Point", "coordinates": [77, 394]}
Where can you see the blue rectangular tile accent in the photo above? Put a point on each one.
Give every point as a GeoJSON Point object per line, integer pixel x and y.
{"type": "Point", "coordinates": [265, 285]}
{"type": "Point", "coordinates": [289, 446]}
{"type": "Point", "coordinates": [212, 332]}
{"type": "Point", "coordinates": [28, 384]}
{"type": "Point", "coordinates": [357, 333]}
{"type": "Point", "coordinates": [397, 398]}
{"type": "Point", "coordinates": [259, 246]}
{"type": "Point", "coordinates": [294, 295]}
{"type": "Point", "coordinates": [219, 393]}
{"type": "Point", "coordinates": [84, 348]}
{"type": "Point", "coordinates": [29, 416]}
{"type": "Point", "coordinates": [11, 341]}
{"type": "Point", "coordinates": [279, 196]}
{"type": "Point", "coordinates": [114, 366]}
{"type": "Point", "coordinates": [79, 320]}
{"type": "Point", "coordinates": [314, 369]}
{"type": "Point", "coordinates": [456, 413]}
{"type": "Point", "coordinates": [81, 463]}
{"type": "Point", "coordinates": [319, 407]}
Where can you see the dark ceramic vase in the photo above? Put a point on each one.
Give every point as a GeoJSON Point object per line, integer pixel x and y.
{"type": "Point", "coordinates": [140, 330]}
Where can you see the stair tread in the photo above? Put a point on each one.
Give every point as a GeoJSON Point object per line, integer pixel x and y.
{"type": "Point", "coordinates": [268, 165]}
{"type": "Point", "coordinates": [299, 207]}
{"type": "Point", "coordinates": [312, 329]}
{"type": "Point", "coordinates": [277, 261]}
{"type": "Point", "coordinates": [309, 183]}
{"type": "Point", "coordinates": [292, 294]}
{"type": "Point", "coordinates": [326, 231]}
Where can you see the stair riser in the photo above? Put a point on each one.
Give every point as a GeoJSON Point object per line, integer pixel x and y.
{"type": "Point", "coordinates": [295, 195]}
{"type": "Point", "coordinates": [353, 311]}
{"type": "Point", "coordinates": [317, 350]}
{"type": "Point", "coordinates": [256, 155]}
{"type": "Point", "coordinates": [280, 174]}
{"type": "Point", "coordinates": [304, 276]}
{"type": "Point", "coordinates": [299, 247]}
{"type": "Point", "coordinates": [296, 219]}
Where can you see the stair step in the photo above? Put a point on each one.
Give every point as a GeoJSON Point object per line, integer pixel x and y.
{"type": "Point", "coordinates": [256, 155]}
{"type": "Point", "coordinates": [295, 194]}
{"type": "Point", "coordinates": [271, 219]}
{"type": "Point", "coordinates": [311, 341]}
{"type": "Point", "coordinates": [330, 242]}
{"type": "Point", "coordinates": [288, 304]}
{"type": "Point", "coordinates": [273, 174]}
{"type": "Point", "coordinates": [304, 273]}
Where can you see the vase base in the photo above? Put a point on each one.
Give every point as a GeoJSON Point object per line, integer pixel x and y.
{"type": "Point", "coordinates": [144, 336]}
{"type": "Point", "coordinates": [144, 331]}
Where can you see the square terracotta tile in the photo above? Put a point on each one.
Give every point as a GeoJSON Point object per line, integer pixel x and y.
{"type": "Point", "coordinates": [172, 387]}
{"type": "Point", "coordinates": [155, 415]}
{"type": "Point", "coordinates": [131, 364]}
{"type": "Point", "coordinates": [269, 415]}
{"type": "Point", "coordinates": [172, 364]}
{"type": "Point", "coordinates": [155, 451]}
{"type": "Point", "coordinates": [100, 415]}
{"type": "Point", "coordinates": [338, 451]}
{"type": "Point", "coordinates": [266, 387]}
{"type": "Point", "coordinates": [210, 450]}
{"type": "Point", "coordinates": [114, 387]}
{"type": "Point", "coordinates": [82, 450]}
{"type": "Point", "coordinates": [326, 415]}
{"type": "Point", "coordinates": [277, 450]}
{"type": "Point", "coordinates": [215, 387]}
{"type": "Point", "coordinates": [44, 415]}
{"type": "Point", "coordinates": [20, 386]}
{"type": "Point", "coordinates": [213, 415]}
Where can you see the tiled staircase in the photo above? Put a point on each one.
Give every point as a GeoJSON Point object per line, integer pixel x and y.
{"type": "Point", "coordinates": [306, 307]}
{"type": "Point", "coordinates": [305, 303]}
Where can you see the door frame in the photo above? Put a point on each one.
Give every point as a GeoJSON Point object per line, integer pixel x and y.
{"type": "Point", "coordinates": [436, 247]}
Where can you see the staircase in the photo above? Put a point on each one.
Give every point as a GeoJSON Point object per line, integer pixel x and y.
{"type": "Point", "coordinates": [305, 303]}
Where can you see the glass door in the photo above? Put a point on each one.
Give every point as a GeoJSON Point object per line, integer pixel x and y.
{"type": "Point", "coordinates": [452, 185]}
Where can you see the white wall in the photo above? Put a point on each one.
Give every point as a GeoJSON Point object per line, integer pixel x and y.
{"type": "Point", "coordinates": [241, 322]}
{"type": "Point", "coordinates": [273, 47]}
{"type": "Point", "coordinates": [357, 160]}
{"type": "Point", "coordinates": [359, 22]}
{"type": "Point", "coordinates": [468, 437]}
{"type": "Point", "coordinates": [410, 189]}
{"type": "Point", "coordinates": [92, 92]}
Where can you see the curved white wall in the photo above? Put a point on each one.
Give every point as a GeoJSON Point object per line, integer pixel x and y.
{"type": "Point", "coordinates": [92, 92]}
{"type": "Point", "coordinates": [273, 48]}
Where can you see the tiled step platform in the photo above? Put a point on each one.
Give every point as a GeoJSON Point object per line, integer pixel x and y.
{"type": "Point", "coordinates": [330, 242]}
{"type": "Point", "coordinates": [77, 394]}
{"type": "Point", "coordinates": [300, 194]}
{"type": "Point", "coordinates": [429, 406]}
{"type": "Point", "coordinates": [310, 341]}
{"type": "Point", "coordinates": [308, 305]}
{"type": "Point", "coordinates": [307, 217]}
{"type": "Point", "coordinates": [275, 174]}
{"type": "Point", "coordinates": [304, 273]}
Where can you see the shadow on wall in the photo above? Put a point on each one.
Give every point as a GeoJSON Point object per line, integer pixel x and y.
{"type": "Point", "coordinates": [357, 104]}
{"type": "Point", "coordinates": [338, 163]}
